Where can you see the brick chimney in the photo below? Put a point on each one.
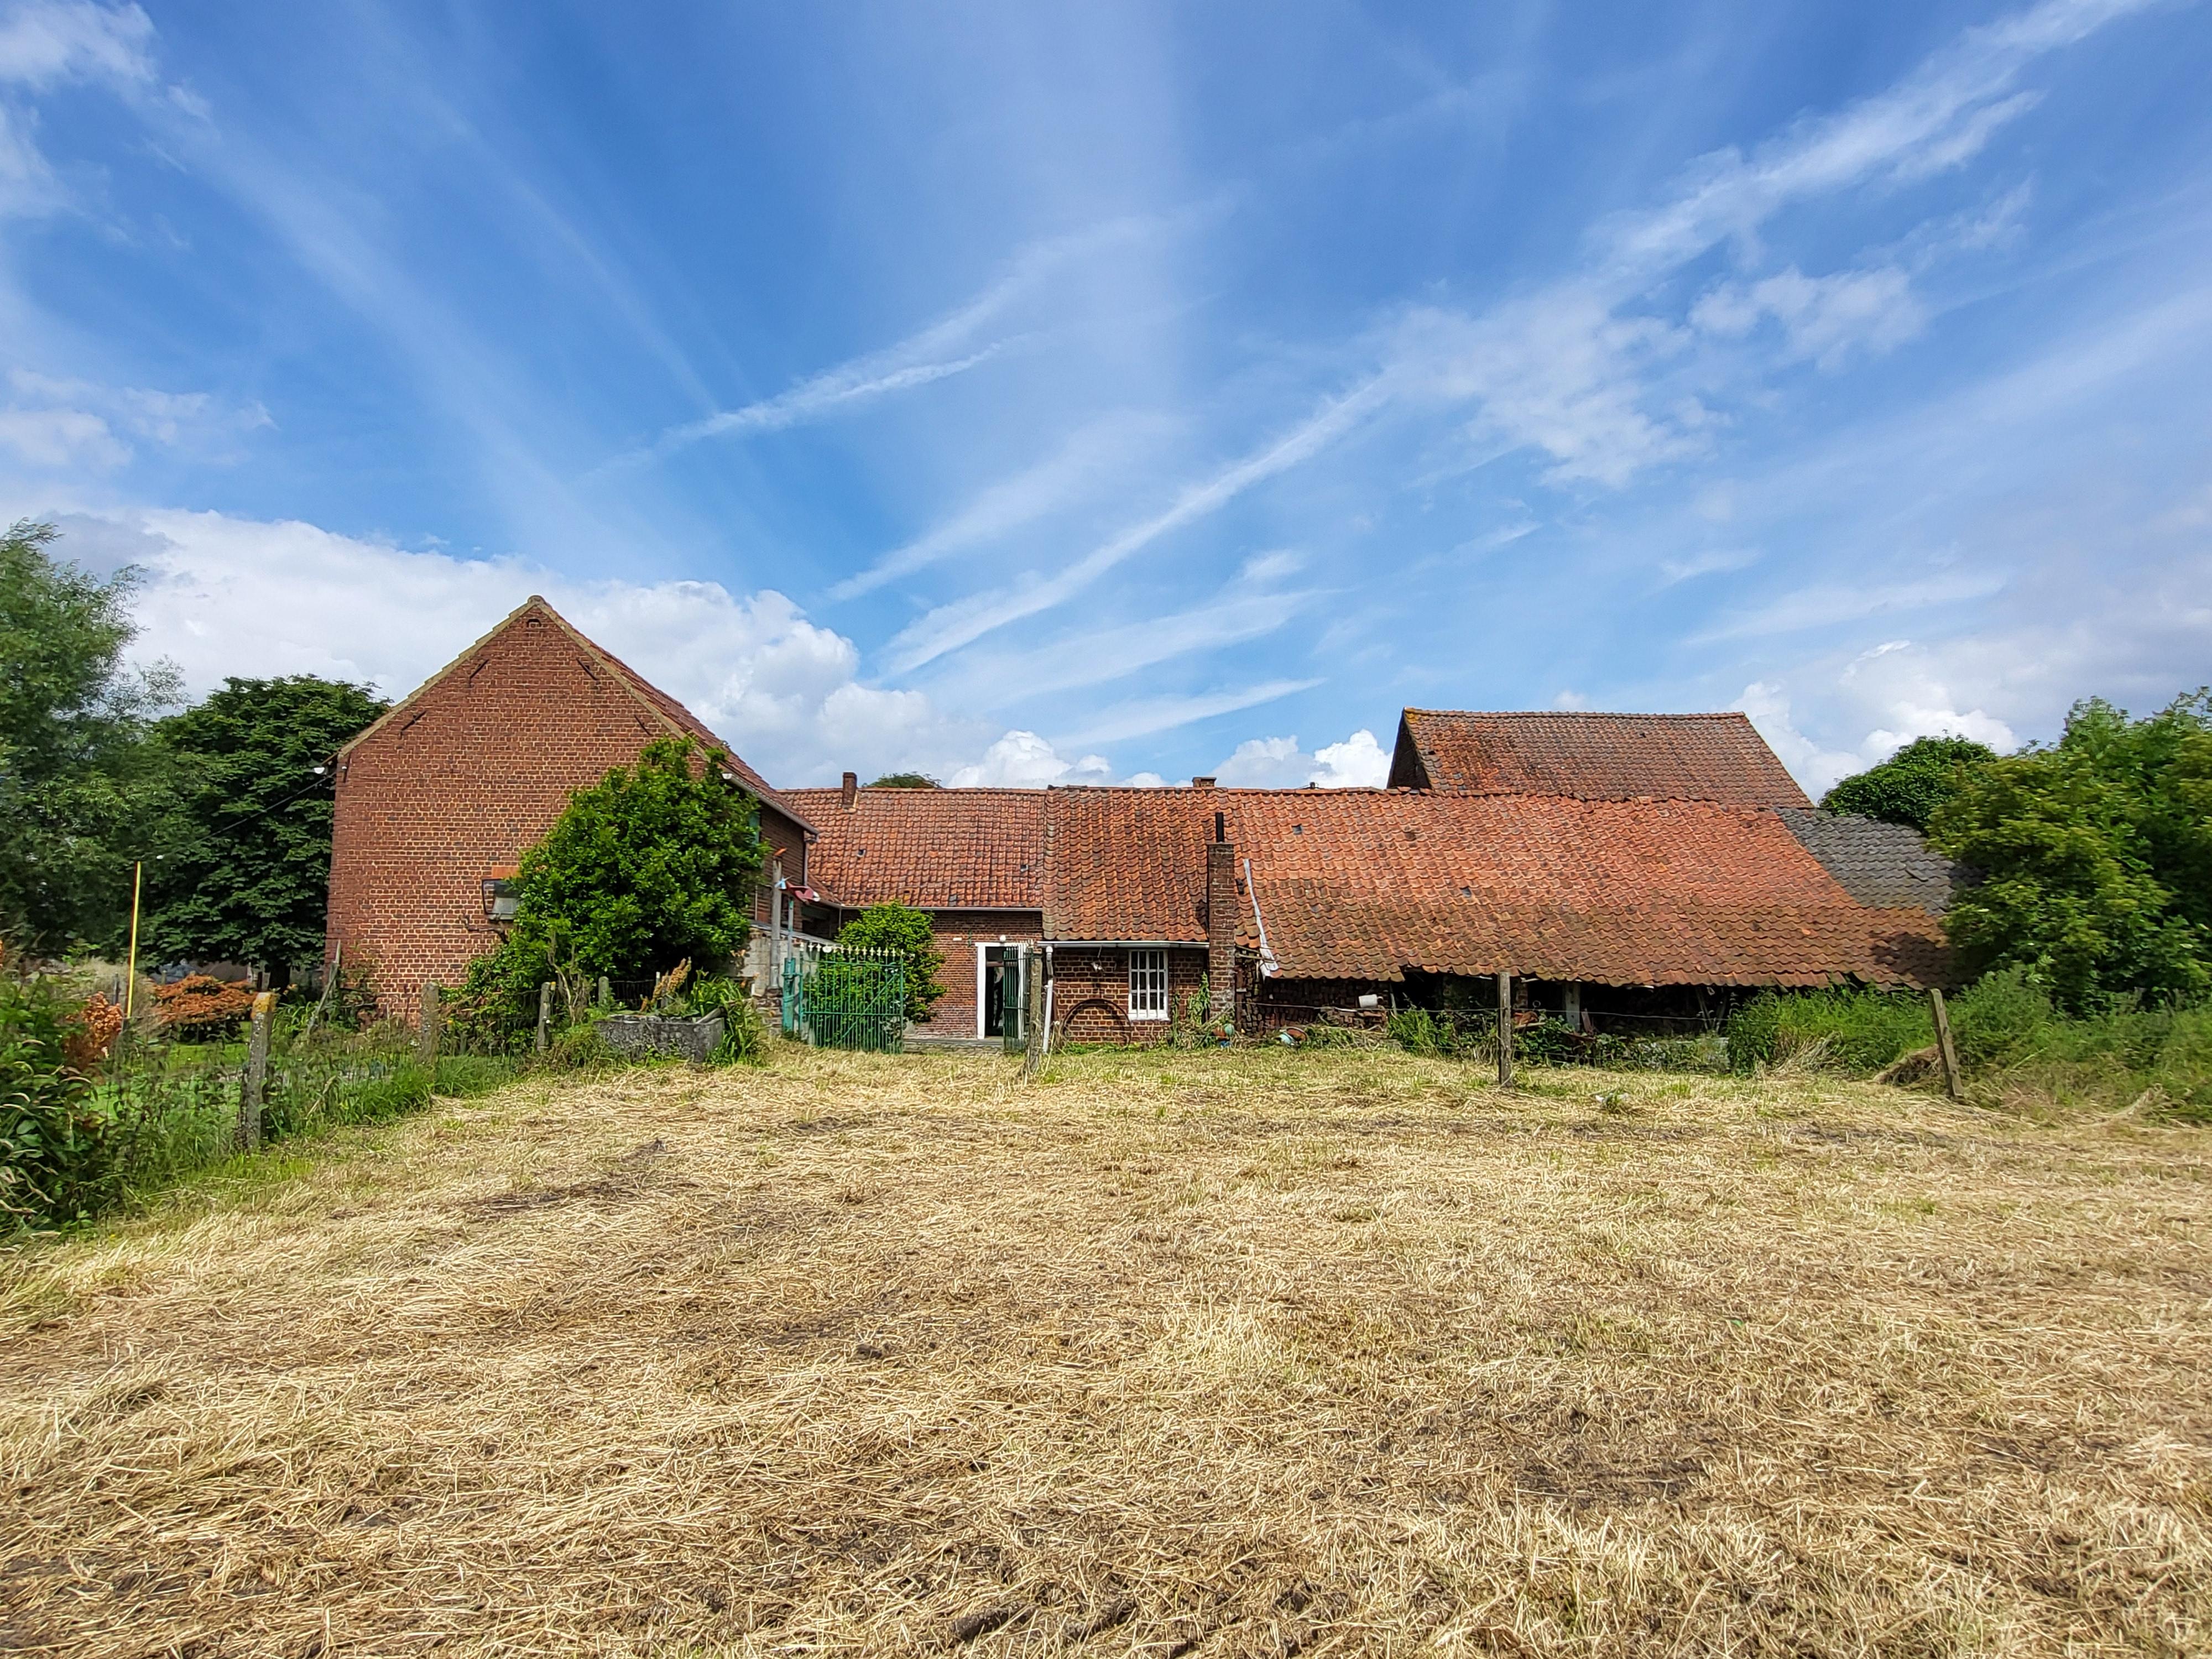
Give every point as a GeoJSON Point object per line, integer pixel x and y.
{"type": "Point", "coordinates": [1201, 783]}
{"type": "Point", "coordinates": [850, 789]}
{"type": "Point", "coordinates": [1221, 922]}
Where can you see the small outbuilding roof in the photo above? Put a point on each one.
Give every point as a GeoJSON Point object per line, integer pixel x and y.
{"type": "Point", "coordinates": [1877, 863]}
{"type": "Point", "coordinates": [1591, 756]}
{"type": "Point", "coordinates": [936, 849]}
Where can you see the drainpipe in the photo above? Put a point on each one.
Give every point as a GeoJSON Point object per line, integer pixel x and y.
{"type": "Point", "coordinates": [1269, 966]}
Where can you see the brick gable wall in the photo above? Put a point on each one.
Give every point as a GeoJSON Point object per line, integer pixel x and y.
{"type": "Point", "coordinates": [456, 783]}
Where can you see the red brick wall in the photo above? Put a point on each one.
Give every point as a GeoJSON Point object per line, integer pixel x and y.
{"type": "Point", "coordinates": [1090, 993]}
{"type": "Point", "coordinates": [462, 782]}
{"type": "Point", "coordinates": [958, 933]}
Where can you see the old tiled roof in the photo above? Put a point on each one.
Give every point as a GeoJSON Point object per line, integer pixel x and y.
{"type": "Point", "coordinates": [1366, 885]}
{"type": "Point", "coordinates": [1885, 864]}
{"type": "Point", "coordinates": [1128, 864]}
{"type": "Point", "coordinates": [1714, 758]}
{"type": "Point", "coordinates": [937, 849]}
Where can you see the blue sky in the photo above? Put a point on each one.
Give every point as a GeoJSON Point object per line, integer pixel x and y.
{"type": "Point", "coordinates": [1030, 393]}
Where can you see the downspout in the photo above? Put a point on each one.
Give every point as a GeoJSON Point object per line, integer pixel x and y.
{"type": "Point", "coordinates": [1269, 966]}
{"type": "Point", "coordinates": [1047, 1048]}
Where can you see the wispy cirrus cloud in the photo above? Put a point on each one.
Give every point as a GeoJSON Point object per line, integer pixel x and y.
{"type": "Point", "coordinates": [1140, 717]}
{"type": "Point", "coordinates": [950, 626]}
{"type": "Point", "coordinates": [1088, 461]}
{"type": "Point", "coordinates": [945, 348]}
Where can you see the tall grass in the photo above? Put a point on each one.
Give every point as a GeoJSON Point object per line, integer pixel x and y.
{"type": "Point", "coordinates": [2013, 1043]}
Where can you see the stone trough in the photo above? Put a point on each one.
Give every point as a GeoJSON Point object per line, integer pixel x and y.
{"type": "Point", "coordinates": [692, 1038]}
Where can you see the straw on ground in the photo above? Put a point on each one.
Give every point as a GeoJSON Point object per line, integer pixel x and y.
{"type": "Point", "coordinates": [1239, 1352]}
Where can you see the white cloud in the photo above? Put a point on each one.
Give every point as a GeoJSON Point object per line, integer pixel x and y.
{"type": "Point", "coordinates": [1822, 318]}
{"type": "Point", "coordinates": [62, 438]}
{"type": "Point", "coordinates": [58, 421]}
{"type": "Point", "coordinates": [1023, 760]}
{"type": "Point", "coordinates": [229, 596]}
{"type": "Point", "coordinates": [52, 43]}
{"type": "Point", "coordinates": [1357, 763]}
{"type": "Point", "coordinates": [1817, 768]}
{"type": "Point", "coordinates": [48, 42]}
{"type": "Point", "coordinates": [1140, 717]}
{"type": "Point", "coordinates": [1935, 118]}
{"type": "Point", "coordinates": [1559, 371]}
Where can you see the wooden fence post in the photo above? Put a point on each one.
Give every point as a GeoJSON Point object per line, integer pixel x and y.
{"type": "Point", "coordinates": [1033, 1054]}
{"type": "Point", "coordinates": [1951, 1081]}
{"type": "Point", "coordinates": [256, 1071]}
{"type": "Point", "coordinates": [544, 1013]}
{"type": "Point", "coordinates": [426, 1033]}
{"type": "Point", "coordinates": [1505, 1029]}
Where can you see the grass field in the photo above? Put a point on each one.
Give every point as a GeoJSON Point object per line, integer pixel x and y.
{"type": "Point", "coordinates": [1246, 1353]}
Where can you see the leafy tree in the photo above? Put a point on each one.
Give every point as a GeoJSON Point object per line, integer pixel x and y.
{"type": "Point", "coordinates": [1908, 787]}
{"type": "Point", "coordinates": [651, 864]}
{"type": "Point", "coordinates": [80, 787]}
{"type": "Point", "coordinates": [906, 931]}
{"type": "Point", "coordinates": [906, 780]}
{"type": "Point", "coordinates": [2095, 855]}
{"type": "Point", "coordinates": [247, 871]}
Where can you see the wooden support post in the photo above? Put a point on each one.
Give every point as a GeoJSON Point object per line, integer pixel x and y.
{"type": "Point", "coordinates": [1505, 1029]}
{"type": "Point", "coordinates": [1951, 1079]}
{"type": "Point", "coordinates": [426, 1033]}
{"type": "Point", "coordinates": [1033, 1054]}
{"type": "Point", "coordinates": [544, 1013]}
{"type": "Point", "coordinates": [255, 1092]}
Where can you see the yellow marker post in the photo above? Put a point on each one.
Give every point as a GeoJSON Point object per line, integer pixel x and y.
{"type": "Point", "coordinates": [130, 968]}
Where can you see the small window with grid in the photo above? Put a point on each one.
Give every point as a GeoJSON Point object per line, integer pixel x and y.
{"type": "Point", "coordinates": [1148, 985]}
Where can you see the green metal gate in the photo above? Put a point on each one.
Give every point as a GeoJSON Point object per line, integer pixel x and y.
{"type": "Point", "coordinates": [845, 998]}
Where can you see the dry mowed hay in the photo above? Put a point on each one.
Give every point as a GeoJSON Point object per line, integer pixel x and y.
{"type": "Point", "coordinates": [1244, 1352]}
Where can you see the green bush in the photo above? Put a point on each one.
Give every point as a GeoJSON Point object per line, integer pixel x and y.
{"type": "Point", "coordinates": [908, 934]}
{"type": "Point", "coordinates": [1911, 784]}
{"type": "Point", "coordinates": [57, 1157]}
{"type": "Point", "coordinates": [1859, 1030]}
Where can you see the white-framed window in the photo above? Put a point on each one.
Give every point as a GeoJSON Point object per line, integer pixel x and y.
{"type": "Point", "coordinates": [1148, 985]}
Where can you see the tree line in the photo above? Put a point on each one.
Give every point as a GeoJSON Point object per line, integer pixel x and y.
{"type": "Point", "coordinates": [2090, 858]}
{"type": "Point", "coordinates": [225, 805]}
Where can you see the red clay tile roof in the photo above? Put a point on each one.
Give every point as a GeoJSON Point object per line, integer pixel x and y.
{"type": "Point", "coordinates": [937, 849]}
{"type": "Point", "coordinates": [1715, 757]}
{"type": "Point", "coordinates": [1365, 884]}
{"type": "Point", "coordinates": [1128, 864]}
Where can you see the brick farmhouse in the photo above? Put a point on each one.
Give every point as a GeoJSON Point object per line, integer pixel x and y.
{"type": "Point", "coordinates": [1620, 866]}
{"type": "Point", "coordinates": [436, 801]}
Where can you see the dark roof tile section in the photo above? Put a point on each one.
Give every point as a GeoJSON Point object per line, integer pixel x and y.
{"type": "Point", "coordinates": [937, 849]}
{"type": "Point", "coordinates": [1591, 756]}
{"type": "Point", "coordinates": [1887, 866]}
{"type": "Point", "coordinates": [1366, 885]}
